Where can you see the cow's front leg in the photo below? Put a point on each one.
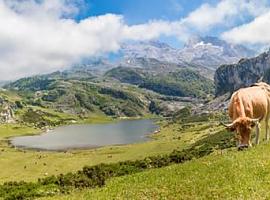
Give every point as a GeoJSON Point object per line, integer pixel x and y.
{"type": "Point", "coordinates": [266, 130]}
{"type": "Point", "coordinates": [257, 133]}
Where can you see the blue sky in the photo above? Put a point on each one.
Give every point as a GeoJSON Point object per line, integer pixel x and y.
{"type": "Point", "coordinates": [41, 36]}
{"type": "Point", "coordinates": [143, 11]}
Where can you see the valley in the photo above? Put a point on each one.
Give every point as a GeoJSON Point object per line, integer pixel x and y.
{"type": "Point", "coordinates": [134, 100]}
{"type": "Point", "coordinates": [182, 98]}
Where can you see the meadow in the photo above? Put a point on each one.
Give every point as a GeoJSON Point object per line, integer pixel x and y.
{"type": "Point", "coordinates": [229, 175]}
{"type": "Point", "coordinates": [29, 165]}
{"type": "Point", "coordinates": [211, 168]}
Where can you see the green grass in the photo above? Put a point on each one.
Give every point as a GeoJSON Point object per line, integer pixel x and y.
{"type": "Point", "coordinates": [8, 130]}
{"type": "Point", "coordinates": [96, 119]}
{"type": "Point", "coordinates": [227, 174]}
{"type": "Point", "coordinates": [222, 175]}
{"type": "Point", "coordinates": [31, 165]}
{"type": "Point", "coordinates": [230, 175]}
{"type": "Point", "coordinates": [96, 175]}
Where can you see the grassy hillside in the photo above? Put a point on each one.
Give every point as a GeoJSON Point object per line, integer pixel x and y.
{"type": "Point", "coordinates": [224, 174]}
{"type": "Point", "coordinates": [183, 82]}
{"type": "Point", "coordinates": [127, 75]}
{"type": "Point", "coordinates": [79, 94]}
{"type": "Point", "coordinates": [231, 175]}
{"type": "Point", "coordinates": [208, 170]}
{"type": "Point", "coordinates": [81, 98]}
{"type": "Point", "coordinates": [193, 142]}
{"type": "Point", "coordinates": [38, 164]}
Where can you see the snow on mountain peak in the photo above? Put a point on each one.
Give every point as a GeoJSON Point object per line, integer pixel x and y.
{"type": "Point", "coordinates": [206, 51]}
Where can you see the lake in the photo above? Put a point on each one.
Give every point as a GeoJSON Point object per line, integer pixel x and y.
{"type": "Point", "coordinates": [88, 135]}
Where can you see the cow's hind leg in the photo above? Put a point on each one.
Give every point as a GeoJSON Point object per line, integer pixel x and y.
{"type": "Point", "coordinates": [257, 133]}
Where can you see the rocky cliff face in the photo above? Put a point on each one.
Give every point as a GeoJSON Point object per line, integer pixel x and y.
{"type": "Point", "coordinates": [6, 112]}
{"type": "Point", "coordinates": [229, 78]}
{"type": "Point", "coordinates": [7, 115]}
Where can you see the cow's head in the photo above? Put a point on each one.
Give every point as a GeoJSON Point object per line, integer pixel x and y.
{"type": "Point", "coordinates": [243, 127]}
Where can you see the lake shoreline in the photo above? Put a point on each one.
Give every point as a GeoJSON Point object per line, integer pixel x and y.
{"type": "Point", "coordinates": [147, 136]}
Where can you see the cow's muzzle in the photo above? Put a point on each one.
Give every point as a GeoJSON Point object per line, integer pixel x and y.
{"type": "Point", "coordinates": [241, 147]}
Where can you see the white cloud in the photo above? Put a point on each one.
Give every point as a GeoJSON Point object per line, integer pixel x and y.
{"type": "Point", "coordinates": [255, 32]}
{"type": "Point", "coordinates": [154, 29]}
{"type": "Point", "coordinates": [226, 12]}
{"type": "Point", "coordinates": [35, 38]}
{"type": "Point", "coordinates": [43, 37]}
{"type": "Point", "coordinates": [39, 44]}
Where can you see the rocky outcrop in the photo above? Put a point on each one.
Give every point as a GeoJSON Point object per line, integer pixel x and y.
{"type": "Point", "coordinates": [7, 110]}
{"type": "Point", "coordinates": [6, 114]}
{"type": "Point", "coordinates": [246, 72]}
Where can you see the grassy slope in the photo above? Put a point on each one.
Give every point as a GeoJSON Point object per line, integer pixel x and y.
{"type": "Point", "coordinates": [228, 174]}
{"type": "Point", "coordinates": [81, 97]}
{"type": "Point", "coordinates": [8, 130]}
{"type": "Point", "coordinates": [31, 165]}
{"type": "Point", "coordinates": [183, 82]}
{"type": "Point", "coordinates": [231, 175]}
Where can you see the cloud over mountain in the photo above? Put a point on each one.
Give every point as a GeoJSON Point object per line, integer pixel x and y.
{"type": "Point", "coordinates": [255, 32]}
{"type": "Point", "coordinates": [43, 36]}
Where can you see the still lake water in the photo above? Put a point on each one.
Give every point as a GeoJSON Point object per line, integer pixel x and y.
{"type": "Point", "coordinates": [88, 136]}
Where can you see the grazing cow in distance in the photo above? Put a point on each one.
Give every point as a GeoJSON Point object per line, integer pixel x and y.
{"type": "Point", "coordinates": [248, 106]}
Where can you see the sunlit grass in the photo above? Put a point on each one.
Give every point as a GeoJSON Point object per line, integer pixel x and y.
{"type": "Point", "coordinates": [222, 175]}
{"type": "Point", "coordinates": [31, 165]}
{"type": "Point", "coordinates": [233, 175]}
{"type": "Point", "coordinates": [8, 130]}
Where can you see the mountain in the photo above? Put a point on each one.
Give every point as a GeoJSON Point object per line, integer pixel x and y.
{"type": "Point", "coordinates": [181, 83]}
{"type": "Point", "coordinates": [211, 52]}
{"type": "Point", "coordinates": [147, 76]}
{"type": "Point", "coordinates": [89, 69]}
{"type": "Point", "coordinates": [208, 52]}
{"type": "Point", "coordinates": [229, 78]}
{"type": "Point", "coordinates": [65, 92]}
{"type": "Point", "coordinates": [156, 66]}
{"type": "Point", "coordinates": [151, 49]}
{"type": "Point", "coordinates": [80, 97]}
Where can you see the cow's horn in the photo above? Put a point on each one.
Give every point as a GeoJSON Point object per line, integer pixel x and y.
{"type": "Point", "coordinates": [227, 125]}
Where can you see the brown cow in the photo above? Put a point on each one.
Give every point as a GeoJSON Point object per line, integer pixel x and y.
{"type": "Point", "coordinates": [248, 106]}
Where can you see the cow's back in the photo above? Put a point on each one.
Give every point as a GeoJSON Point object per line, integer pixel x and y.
{"type": "Point", "coordinates": [250, 102]}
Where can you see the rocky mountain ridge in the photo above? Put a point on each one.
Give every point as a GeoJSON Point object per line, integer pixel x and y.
{"type": "Point", "coordinates": [247, 71]}
{"type": "Point", "coordinates": [209, 52]}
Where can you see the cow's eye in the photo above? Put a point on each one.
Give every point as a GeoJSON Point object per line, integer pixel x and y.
{"type": "Point", "coordinates": [253, 124]}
